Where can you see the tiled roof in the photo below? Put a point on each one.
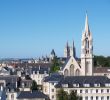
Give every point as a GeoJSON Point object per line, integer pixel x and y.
{"type": "Point", "coordinates": [10, 81]}
{"type": "Point", "coordinates": [31, 95]}
{"type": "Point", "coordinates": [81, 80]}
{"type": "Point", "coordinates": [53, 78]}
{"type": "Point", "coordinates": [41, 69]}
{"type": "Point", "coordinates": [25, 65]}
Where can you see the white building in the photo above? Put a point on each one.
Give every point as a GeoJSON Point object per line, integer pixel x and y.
{"type": "Point", "coordinates": [39, 73]}
{"type": "Point", "coordinates": [49, 85]}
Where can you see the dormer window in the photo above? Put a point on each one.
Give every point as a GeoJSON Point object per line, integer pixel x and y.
{"type": "Point", "coordinates": [33, 72]}
{"type": "Point", "coordinates": [107, 84]}
{"type": "Point", "coordinates": [45, 72]}
{"type": "Point", "coordinates": [37, 72]}
{"type": "Point", "coordinates": [75, 85]}
{"type": "Point", "coordinates": [97, 85]}
{"type": "Point", "coordinates": [86, 85]}
{"type": "Point", "coordinates": [65, 85]}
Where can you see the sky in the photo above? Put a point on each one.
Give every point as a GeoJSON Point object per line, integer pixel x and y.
{"type": "Point", "coordinates": [32, 28]}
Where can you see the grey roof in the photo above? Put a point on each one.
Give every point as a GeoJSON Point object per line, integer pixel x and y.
{"type": "Point", "coordinates": [53, 78]}
{"type": "Point", "coordinates": [41, 69]}
{"type": "Point", "coordinates": [10, 81]}
{"type": "Point", "coordinates": [81, 80]}
{"type": "Point", "coordinates": [9, 78]}
{"type": "Point", "coordinates": [31, 95]}
{"type": "Point", "coordinates": [25, 65]}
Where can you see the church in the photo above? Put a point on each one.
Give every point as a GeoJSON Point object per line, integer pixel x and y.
{"type": "Point", "coordinates": [84, 67]}
{"type": "Point", "coordinates": [80, 75]}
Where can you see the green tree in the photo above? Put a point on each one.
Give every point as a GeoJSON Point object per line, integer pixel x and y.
{"type": "Point", "coordinates": [55, 65]}
{"type": "Point", "coordinates": [34, 85]}
{"type": "Point", "coordinates": [62, 95]}
{"type": "Point", "coordinates": [73, 96]}
{"type": "Point", "coordinates": [101, 61]}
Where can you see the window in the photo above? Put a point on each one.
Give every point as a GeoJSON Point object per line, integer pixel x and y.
{"type": "Point", "coordinates": [108, 98]}
{"type": "Point", "coordinates": [12, 97]}
{"type": "Point", "coordinates": [86, 91]}
{"type": "Point", "coordinates": [96, 90]}
{"type": "Point", "coordinates": [86, 98]}
{"type": "Point", "coordinates": [76, 85]}
{"type": "Point", "coordinates": [107, 84]}
{"type": "Point", "coordinates": [80, 91]}
{"type": "Point", "coordinates": [96, 97]}
{"type": "Point", "coordinates": [52, 96]}
{"type": "Point", "coordinates": [86, 85]}
{"type": "Point", "coordinates": [64, 85]}
{"type": "Point", "coordinates": [97, 85]}
{"type": "Point", "coordinates": [75, 91]}
{"type": "Point", "coordinates": [52, 90]}
{"type": "Point", "coordinates": [107, 90]}
{"type": "Point", "coordinates": [91, 97]}
{"type": "Point", "coordinates": [102, 98]}
{"type": "Point", "coordinates": [101, 90]}
{"type": "Point", "coordinates": [91, 90]}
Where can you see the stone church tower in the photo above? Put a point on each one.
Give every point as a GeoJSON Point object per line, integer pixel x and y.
{"type": "Point", "coordinates": [87, 51]}
{"type": "Point", "coordinates": [69, 51]}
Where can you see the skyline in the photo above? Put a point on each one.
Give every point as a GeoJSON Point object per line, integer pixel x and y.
{"type": "Point", "coordinates": [30, 28]}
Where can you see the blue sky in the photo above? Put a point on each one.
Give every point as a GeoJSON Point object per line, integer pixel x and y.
{"type": "Point", "coordinates": [32, 28]}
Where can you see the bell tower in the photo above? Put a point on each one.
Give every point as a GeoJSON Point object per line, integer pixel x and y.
{"type": "Point", "coordinates": [87, 50]}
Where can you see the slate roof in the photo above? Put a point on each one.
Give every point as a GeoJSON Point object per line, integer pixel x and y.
{"type": "Point", "coordinates": [31, 95]}
{"type": "Point", "coordinates": [81, 80]}
{"type": "Point", "coordinates": [41, 70]}
{"type": "Point", "coordinates": [10, 81]}
{"type": "Point", "coordinates": [53, 78]}
{"type": "Point", "coordinates": [25, 65]}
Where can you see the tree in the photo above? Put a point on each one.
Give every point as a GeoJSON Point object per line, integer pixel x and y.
{"type": "Point", "coordinates": [73, 96]}
{"type": "Point", "coordinates": [34, 85]}
{"type": "Point", "coordinates": [27, 77]}
{"type": "Point", "coordinates": [55, 65]}
{"type": "Point", "coordinates": [101, 61]}
{"type": "Point", "coordinates": [62, 95]}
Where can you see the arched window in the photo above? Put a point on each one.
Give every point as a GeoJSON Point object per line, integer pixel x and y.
{"type": "Point", "coordinates": [77, 73]}
{"type": "Point", "coordinates": [72, 70]}
{"type": "Point", "coordinates": [12, 96]}
{"type": "Point", "coordinates": [65, 72]}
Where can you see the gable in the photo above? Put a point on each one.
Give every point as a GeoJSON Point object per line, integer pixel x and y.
{"type": "Point", "coordinates": [71, 67]}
